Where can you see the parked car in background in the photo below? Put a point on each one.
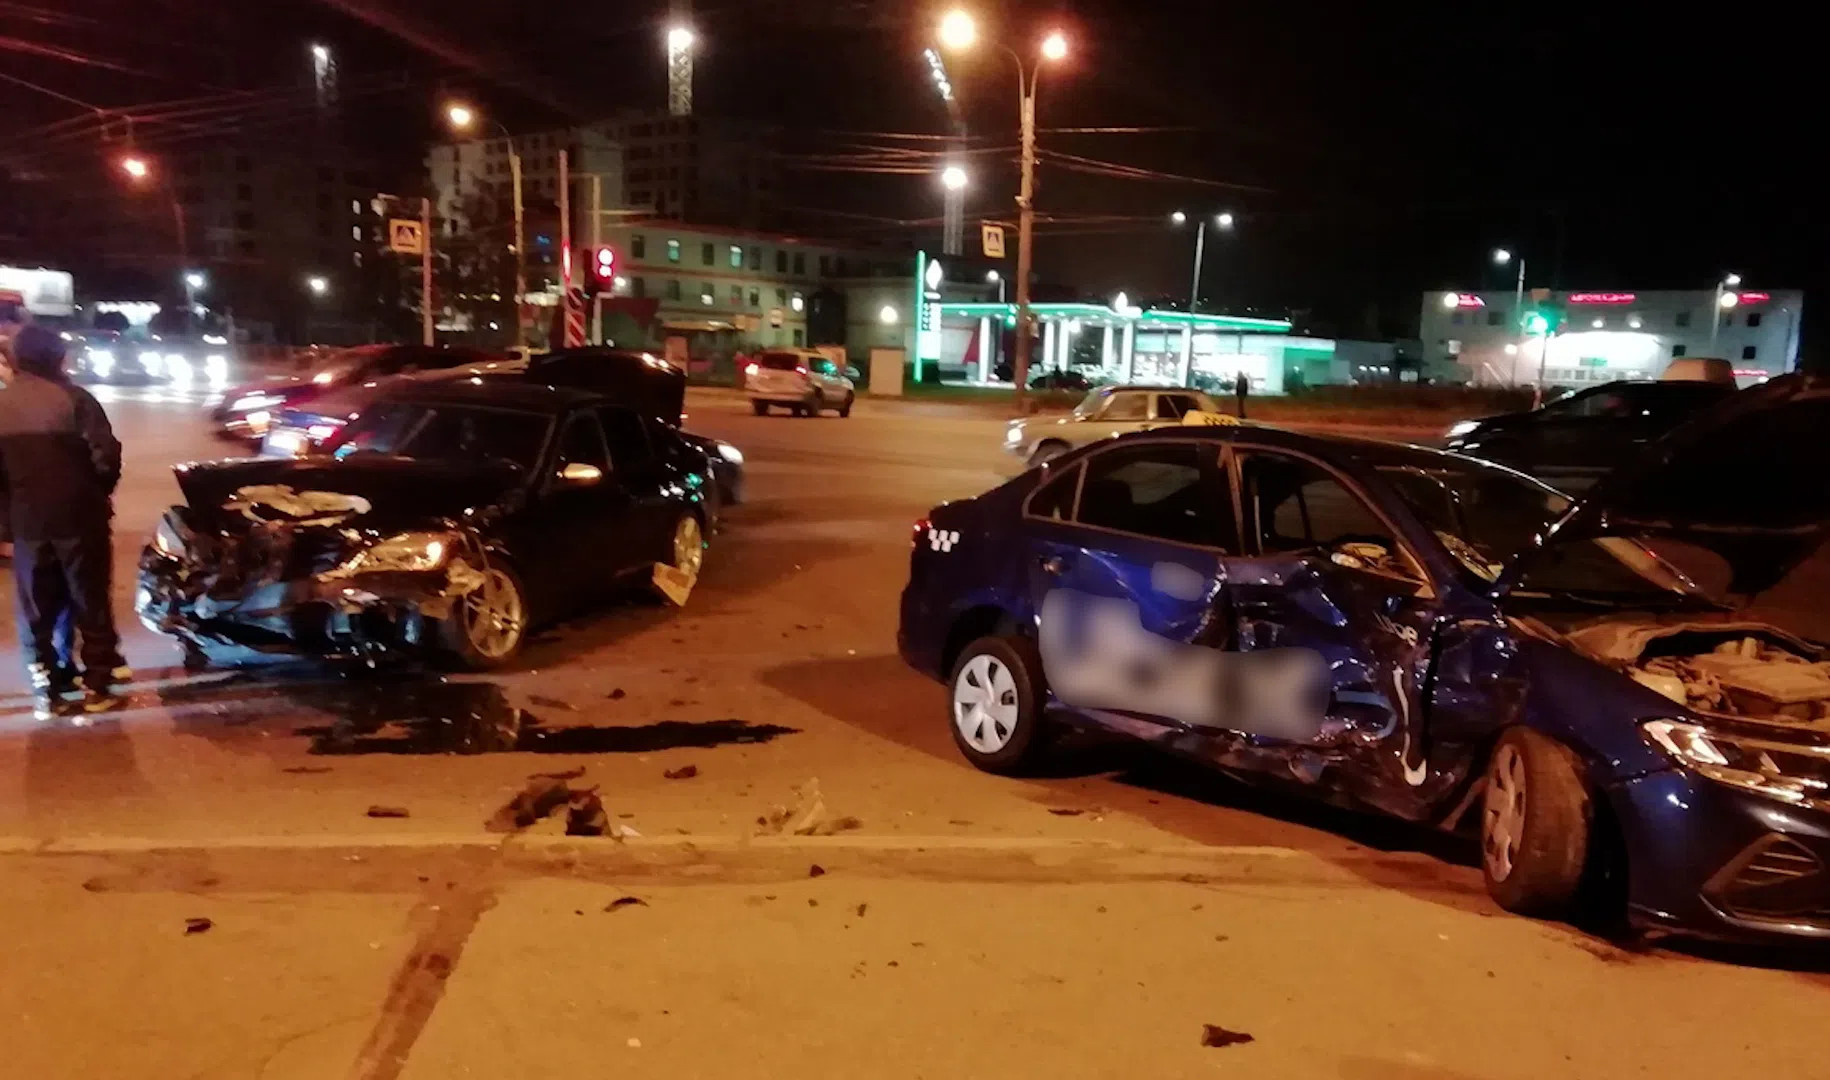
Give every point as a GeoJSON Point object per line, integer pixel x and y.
{"type": "Point", "coordinates": [1576, 439]}
{"type": "Point", "coordinates": [1431, 637]}
{"type": "Point", "coordinates": [1699, 369]}
{"type": "Point", "coordinates": [804, 382]}
{"type": "Point", "coordinates": [638, 380]}
{"type": "Point", "coordinates": [1103, 413]}
{"type": "Point", "coordinates": [447, 520]}
{"type": "Point", "coordinates": [246, 412]}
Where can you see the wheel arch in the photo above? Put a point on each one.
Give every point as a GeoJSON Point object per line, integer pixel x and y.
{"type": "Point", "coordinates": [976, 621]}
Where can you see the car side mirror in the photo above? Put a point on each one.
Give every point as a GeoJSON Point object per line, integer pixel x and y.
{"type": "Point", "coordinates": [853, 373]}
{"type": "Point", "coordinates": [578, 473]}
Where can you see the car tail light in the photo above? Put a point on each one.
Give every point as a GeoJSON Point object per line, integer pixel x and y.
{"type": "Point", "coordinates": [749, 369]}
{"type": "Point", "coordinates": [917, 531]}
{"type": "Point", "coordinates": [800, 371]}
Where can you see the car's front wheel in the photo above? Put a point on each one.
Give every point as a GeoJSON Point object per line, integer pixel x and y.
{"type": "Point", "coordinates": [488, 625]}
{"type": "Point", "coordinates": [845, 409]}
{"type": "Point", "coordinates": [995, 705]}
{"type": "Point", "coordinates": [1536, 822]}
{"type": "Point", "coordinates": [760, 408]}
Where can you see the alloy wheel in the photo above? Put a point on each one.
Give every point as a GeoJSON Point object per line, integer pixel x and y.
{"type": "Point", "coordinates": [494, 616]}
{"type": "Point", "coordinates": [689, 547]}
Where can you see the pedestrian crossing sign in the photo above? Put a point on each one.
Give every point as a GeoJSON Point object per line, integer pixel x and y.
{"type": "Point", "coordinates": [405, 237]}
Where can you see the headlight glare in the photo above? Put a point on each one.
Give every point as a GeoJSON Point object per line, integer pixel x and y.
{"type": "Point", "coordinates": [409, 552]}
{"type": "Point", "coordinates": [1462, 427]}
{"type": "Point", "coordinates": [1795, 773]}
{"type": "Point", "coordinates": [247, 402]}
{"type": "Point", "coordinates": [730, 453]}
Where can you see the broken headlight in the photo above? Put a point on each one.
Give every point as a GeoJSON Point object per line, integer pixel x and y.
{"type": "Point", "coordinates": [167, 540]}
{"type": "Point", "coordinates": [1796, 773]}
{"type": "Point", "coordinates": [414, 551]}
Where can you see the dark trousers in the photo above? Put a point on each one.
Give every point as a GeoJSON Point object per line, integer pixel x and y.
{"type": "Point", "coordinates": [67, 579]}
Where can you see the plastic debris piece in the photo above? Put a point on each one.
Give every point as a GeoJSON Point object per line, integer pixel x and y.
{"type": "Point", "coordinates": [540, 797]}
{"type": "Point", "coordinates": [1215, 1035]}
{"type": "Point", "coordinates": [551, 703]}
{"type": "Point", "coordinates": [1065, 811]}
{"type": "Point", "coordinates": [585, 816]}
{"type": "Point", "coordinates": [617, 694]}
{"type": "Point", "coordinates": [197, 925]}
{"type": "Point", "coordinates": [306, 770]}
{"type": "Point", "coordinates": [625, 901]}
{"type": "Point", "coordinates": [569, 774]}
{"type": "Point", "coordinates": [684, 772]}
{"type": "Point", "coordinates": [388, 811]}
{"type": "Point", "coordinates": [816, 870]}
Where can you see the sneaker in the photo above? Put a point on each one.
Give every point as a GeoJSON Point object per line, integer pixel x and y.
{"type": "Point", "coordinates": [47, 707]}
{"type": "Point", "coordinates": [102, 699]}
{"type": "Point", "coordinates": [53, 680]}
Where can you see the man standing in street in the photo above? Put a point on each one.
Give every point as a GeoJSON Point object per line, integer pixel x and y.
{"type": "Point", "coordinates": [59, 464]}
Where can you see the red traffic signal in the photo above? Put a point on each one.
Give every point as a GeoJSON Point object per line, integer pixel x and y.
{"type": "Point", "coordinates": [604, 264]}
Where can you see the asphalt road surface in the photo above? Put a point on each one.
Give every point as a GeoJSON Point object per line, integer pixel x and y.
{"type": "Point", "coordinates": [942, 923]}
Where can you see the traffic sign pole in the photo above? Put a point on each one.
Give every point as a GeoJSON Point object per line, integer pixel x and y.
{"type": "Point", "coordinates": [426, 332]}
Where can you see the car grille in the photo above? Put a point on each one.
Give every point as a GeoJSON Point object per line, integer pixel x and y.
{"type": "Point", "coordinates": [1775, 878]}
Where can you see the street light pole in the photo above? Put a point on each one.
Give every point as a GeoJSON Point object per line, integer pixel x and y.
{"type": "Point", "coordinates": [461, 117]}
{"type": "Point", "coordinates": [1026, 223]}
{"type": "Point", "coordinates": [1715, 309]}
{"type": "Point", "coordinates": [1194, 290]}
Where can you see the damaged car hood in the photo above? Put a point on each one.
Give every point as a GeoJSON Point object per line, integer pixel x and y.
{"type": "Point", "coordinates": [379, 490]}
{"type": "Point", "coordinates": [1748, 480]}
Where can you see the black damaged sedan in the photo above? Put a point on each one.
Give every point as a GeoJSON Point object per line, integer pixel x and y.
{"type": "Point", "coordinates": [444, 521]}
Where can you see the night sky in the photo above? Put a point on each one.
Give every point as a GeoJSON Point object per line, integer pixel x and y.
{"type": "Point", "coordinates": [1381, 150]}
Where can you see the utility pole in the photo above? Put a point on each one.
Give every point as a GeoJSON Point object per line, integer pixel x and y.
{"type": "Point", "coordinates": [1026, 222]}
{"type": "Point", "coordinates": [1194, 290]}
{"type": "Point", "coordinates": [514, 173]}
{"type": "Point", "coordinates": [597, 241]}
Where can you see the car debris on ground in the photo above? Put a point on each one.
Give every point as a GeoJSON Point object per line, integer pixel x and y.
{"type": "Point", "coordinates": [387, 811]}
{"type": "Point", "coordinates": [197, 925]}
{"type": "Point", "coordinates": [1217, 1036]}
{"type": "Point", "coordinates": [684, 772]}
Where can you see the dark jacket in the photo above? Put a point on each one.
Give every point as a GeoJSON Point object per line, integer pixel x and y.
{"type": "Point", "coordinates": [59, 459]}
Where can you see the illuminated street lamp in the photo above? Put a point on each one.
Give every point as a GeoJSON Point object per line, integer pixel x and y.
{"type": "Point", "coordinates": [1501, 257]}
{"type": "Point", "coordinates": [953, 178]}
{"type": "Point", "coordinates": [680, 38]}
{"type": "Point", "coordinates": [1222, 221]}
{"type": "Point", "coordinates": [317, 284]}
{"type": "Point", "coordinates": [194, 280]}
{"type": "Point", "coordinates": [136, 167]}
{"type": "Point", "coordinates": [140, 171]}
{"type": "Point", "coordinates": [463, 118]}
{"type": "Point", "coordinates": [958, 31]}
{"type": "Point", "coordinates": [995, 278]}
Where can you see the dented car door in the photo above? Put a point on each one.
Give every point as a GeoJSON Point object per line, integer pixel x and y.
{"type": "Point", "coordinates": [1327, 574]}
{"type": "Point", "coordinates": [1124, 560]}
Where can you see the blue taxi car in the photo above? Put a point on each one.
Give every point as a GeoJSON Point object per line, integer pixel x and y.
{"type": "Point", "coordinates": [1432, 637]}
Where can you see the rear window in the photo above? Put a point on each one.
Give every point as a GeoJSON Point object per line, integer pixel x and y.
{"type": "Point", "coordinates": [777, 361]}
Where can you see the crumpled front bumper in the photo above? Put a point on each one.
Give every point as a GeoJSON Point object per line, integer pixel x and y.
{"type": "Point", "coordinates": [323, 613]}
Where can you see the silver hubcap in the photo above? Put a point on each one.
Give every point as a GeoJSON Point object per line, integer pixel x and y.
{"type": "Point", "coordinates": [985, 704]}
{"type": "Point", "coordinates": [493, 615]}
{"type": "Point", "coordinates": [689, 547]}
{"type": "Point", "coordinates": [1503, 820]}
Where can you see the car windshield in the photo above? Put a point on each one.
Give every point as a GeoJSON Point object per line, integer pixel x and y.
{"type": "Point", "coordinates": [780, 361]}
{"type": "Point", "coordinates": [1089, 406]}
{"type": "Point", "coordinates": [1484, 516]}
{"type": "Point", "coordinates": [458, 433]}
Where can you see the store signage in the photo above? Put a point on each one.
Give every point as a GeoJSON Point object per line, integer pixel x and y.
{"type": "Point", "coordinates": [1755, 297]}
{"type": "Point", "coordinates": [1462, 300]}
{"type": "Point", "coordinates": [1601, 297]}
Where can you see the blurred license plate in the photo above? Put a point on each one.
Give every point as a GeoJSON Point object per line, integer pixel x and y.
{"type": "Point", "coordinates": [288, 442]}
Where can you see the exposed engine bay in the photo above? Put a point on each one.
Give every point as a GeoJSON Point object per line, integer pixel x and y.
{"type": "Point", "coordinates": [1747, 670]}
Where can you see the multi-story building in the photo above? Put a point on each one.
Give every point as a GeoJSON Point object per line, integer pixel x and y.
{"type": "Point", "coordinates": [732, 290]}
{"type": "Point", "coordinates": [1598, 336]}
{"type": "Point", "coordinates": [684, 168]}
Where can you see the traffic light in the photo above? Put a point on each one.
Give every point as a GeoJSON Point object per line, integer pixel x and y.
{"type": "Point", "coordinates": [603, 269]}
